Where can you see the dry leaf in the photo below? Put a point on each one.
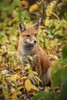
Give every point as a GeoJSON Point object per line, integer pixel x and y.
{"type": "Point", "coordinates": [34, 88]}
{"type": "Point", "coordinates": [53, 57]}
{"type": "Point", "coordinates": [13, 77]}
{"type": "Point", "coordinates": [24, 3]}
{"type": "Point", "coordinates": [4, 72]}
{"type": "Point", "coordinates": [33, 8]}
{"type": "Point", "coordinates": [29, 86]}
{"type": "Point", "coordinates": [13, 89]}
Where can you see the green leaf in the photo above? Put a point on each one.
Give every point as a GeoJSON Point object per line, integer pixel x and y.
{"type": "Point", "coordinates": [3, 38]}
{"type": "Point", "coordinates": [27, 67]}
{"type": "Point", "coordinates": [64, 51]}
{"type": "Point", "coordinates": [11, 47]}
{"type": "Point", "coordinates": [53, 30]}
{"type": "Point", "coordinates": [51, 36]}
{"type": "Point", "coordinates": [48, 31]}
{"type": "Point", "coordinates": [30, 58]}
{"type": "Point", "coordinates": [11, 6]}
{"type": "Point", "coordinates": [25, 15]}
{"type": "Point", "coordinates": [59, 76]}
{"type": "Point", "coordinates": [59, 32]}
{"type": "Point", "coordinates": [63, 95]}
{"type": "Point", "coordinates": [64, 61]}
{"type": "Point", "coordinates": [2, 35]}
{"type": "Point", "coordinates": [50, 24]}
{"type": "Point", "coordinates": [14, 43]}
{"type": "Point", "coordinates": [13, 37]}
{"type": "Point", "coordinates": [46, 42]}
{"type": "Point", "coordinates": [3, 15]}
{"type": "Point", "coordinates": [15, 33]}
{"type": "Point", "coordinates": [40, 35]}
{"type": "Point", "coordinates": [41, 44]}
{"type": "Point", "coordinates": [44, 96]}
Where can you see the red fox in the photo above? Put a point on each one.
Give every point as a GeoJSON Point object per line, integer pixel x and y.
{"type": "Point", "coordinates": [28, 46]}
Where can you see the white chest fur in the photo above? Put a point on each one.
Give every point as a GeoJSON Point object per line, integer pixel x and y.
{"type": "Point", "coordinates": [27, 50]}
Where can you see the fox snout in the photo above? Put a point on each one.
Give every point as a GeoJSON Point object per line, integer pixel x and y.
{"type": "Point", "coordinates": [30, 42]}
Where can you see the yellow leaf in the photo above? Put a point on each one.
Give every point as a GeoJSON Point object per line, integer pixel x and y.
{"type": "Point", "coordinates": [35, 73]}
{"type": "Point", "coordinates": [47, 21]}
{"type": "Point", "coordinates": [17, 69]}
{"type": "Point", "coordinates": [31, 74]}
{"type": "Point", "coordinates": [29, 85]}
{"type": "Point", "coordinates": [48, 48]}
{"type": "Point", "coordinates": [34, 87]}
{"type": "Point", "coordinates": [21, 87]}
{"type": "Point", "coordinates": [48, 11]}
{"type": "Point", "coordinates": [47, 88]}
{"type": "Point", "coordinates": [38, 78]}
{"type": "Point", "coordinates": [57, 25]}
{"type": "Point", "coordinates": [13, 90]}
{"type": "Point", "coordinates": [0, 58]}
{"type": "Point", "coordinates": [27, 67]}
{"type": "Point", "coordinates": [53, 57]}
{"type": "Point", "coordinates": [65, 23]}
{"type": "Point", "coordinates": [14, 96]}
{"type": "Point", "coordinates": [51, 42]}
{"type": "Point", "coordinates": [33, 8]}
{"type": "Point", "coordinates": [13, 77]}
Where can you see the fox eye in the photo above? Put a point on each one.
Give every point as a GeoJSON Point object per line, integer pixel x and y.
{"type": "Point", "coordinates": [28, 35]}
{"type": "Point", "coordinates": [35, 34]}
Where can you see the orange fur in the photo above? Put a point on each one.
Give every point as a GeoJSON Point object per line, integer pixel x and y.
{"type": "Point", "coordinates": [42, 64]}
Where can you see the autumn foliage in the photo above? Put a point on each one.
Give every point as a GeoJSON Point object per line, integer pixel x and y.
{"type": "Point", "coordinates": [17, 83]}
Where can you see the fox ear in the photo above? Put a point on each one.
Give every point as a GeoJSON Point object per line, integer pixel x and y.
{"type": "Point", "coordinates": [21, 27]}
{"type": "Point", "coordinates": [36, 25]}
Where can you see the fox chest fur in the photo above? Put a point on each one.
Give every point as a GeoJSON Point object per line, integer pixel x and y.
{"type": "Point", "coordinates": [28, 46]}
{"type": "Point", "coordinates": [28, 51]}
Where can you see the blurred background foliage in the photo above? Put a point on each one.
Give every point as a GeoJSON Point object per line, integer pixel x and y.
{"type": "Point", "coordinates": [52, 15]}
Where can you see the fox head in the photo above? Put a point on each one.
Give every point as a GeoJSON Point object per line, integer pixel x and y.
{"type": "Point", "coordinates": [29, 34]}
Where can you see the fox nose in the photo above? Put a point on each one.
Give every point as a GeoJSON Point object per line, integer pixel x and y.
{"type": "Point", "coordinates": [35, 41]}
